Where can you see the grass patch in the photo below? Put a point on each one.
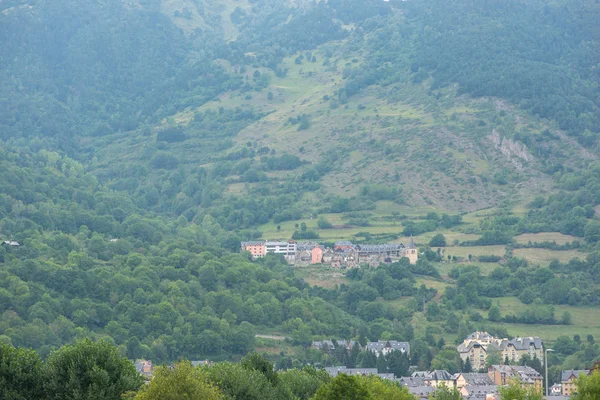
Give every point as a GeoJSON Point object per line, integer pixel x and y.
{"type": "Point", "coordinates": [586, 320]}
{"type": "Point", "coordinates": [321, 276]}
{"type": "Point", "coordinates": [475, 251]}
{"type": "Point", "coordinates": [557, 237]}
{"type": "Point", "coordinates": [440, 286]}
{"type": "Point", "coordinates": [545, 256]}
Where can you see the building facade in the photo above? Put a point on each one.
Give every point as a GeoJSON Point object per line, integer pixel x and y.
{"type": "Point", "coordinates": [344, 254]}
{"type": "Point", "coordinates": [385, 347]}
{"type": "Point", "coordinates": [477, 345]}
{"type": "Point", "coordinates": [504, 374]}
{"type": "Point", "coordinates": [568, 380]}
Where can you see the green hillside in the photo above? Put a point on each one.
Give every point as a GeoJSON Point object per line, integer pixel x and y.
{"type": "Point", "coordinates": [141, 141]}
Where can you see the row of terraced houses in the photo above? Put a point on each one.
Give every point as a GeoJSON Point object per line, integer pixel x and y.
{"type": "Point", "coordinates": [343, 254]}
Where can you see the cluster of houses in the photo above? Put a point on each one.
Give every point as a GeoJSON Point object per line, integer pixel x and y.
{"type": "Point", "coordinates": [381, 347]}
{"type": "Point", "coordinates": [478, 345]}
{"type": "Point", "coordinates": [343, 254]}
{"type": "Point", "coordinates": [472, 386]}
{"type": "Point", "coordinates": [482, 385]}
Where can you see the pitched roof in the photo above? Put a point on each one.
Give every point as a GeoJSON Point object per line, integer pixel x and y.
{"type": "Point", "coordinates": [389, 344]}
{"type": "Point", "coordinates": [411, 243]}
{"type": "Point", "coordinates": [335, 371]}
{"type": "Point", "coordinates": [481, 389]}
{"type": "Point", "coordinates": [522, 343]}
{"type": "Point", "coordinates": [11, 243]}
{"type": "Point", "coordinates": [476, 379]}
{"type": "Point", "coordinates": [575, 373]}
{"type": "Point", "coordinates": [411, 381]}
{"type": "Point", "coordinates": [422, 392]}
{"type": "Point", "coordinates": [525, 374]}
{"type": "Point", "coordinates": [479, 335]}
{"type": "Point", "coordinates": [439, 375]}
{"type": "Point", "coordinates": [379, 248]}
{"type": "Point", "coordinates": [462, 348]}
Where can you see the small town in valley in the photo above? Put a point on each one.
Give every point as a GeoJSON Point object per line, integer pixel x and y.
{"type": "Point", "coordinates": [481, 378]}
{"type": "Point", "coordinates": [343, 254]}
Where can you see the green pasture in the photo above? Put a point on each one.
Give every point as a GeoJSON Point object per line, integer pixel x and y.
{"type": "Point", "coordinates": [586, 320]}
{"type": "Point", "coordinates": [557, 237]}
{"type": "Point", "coordinates": [322, 276]}
{"type": "Point", "coordinates": [545, 256]}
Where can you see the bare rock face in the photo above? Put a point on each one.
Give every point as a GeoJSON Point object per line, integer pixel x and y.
{"type": "Point", "coordinates": [515, 152]}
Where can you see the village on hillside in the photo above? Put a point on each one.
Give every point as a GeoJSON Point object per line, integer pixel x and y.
{"type": "Point", "coordinates": [343, 254]}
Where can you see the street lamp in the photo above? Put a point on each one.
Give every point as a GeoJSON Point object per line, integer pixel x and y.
{"type": "Point", "coordinates": [546, 362]}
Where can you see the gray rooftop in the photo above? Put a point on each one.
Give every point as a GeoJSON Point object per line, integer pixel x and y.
{"type": "Point", "coordinates": [575, 373]}
{"type": "Point", "coordinates": [335, 371]}
{"type": "Point", "coordinates": [476, 379]}
{"type": "Point", "coordinates": [421, 392]}
{"type": "Point", "coordinates": [522, 343]}
{"type": "Point", "coordinates": [388, 344]}
{"type": "Point", "coordinates": [438, 375]}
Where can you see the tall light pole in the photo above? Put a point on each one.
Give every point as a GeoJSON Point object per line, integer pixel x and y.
{"type": "Point", "coordinates": [546, 362]}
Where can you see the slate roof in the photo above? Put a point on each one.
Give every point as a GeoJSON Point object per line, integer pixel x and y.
{"type": "Point", "coordinates": [420, 374]}
{"type": "Point", "coordinates": [483, 389]}
{"type": "Point", "coordinates": [438, 375]}
{"type": "Point", "coordinates": [253, 243]}
{"type": "Point", "coordinates": [522, 343]}
{"type": "Point", "coordinates": [421, 392]}
{"type": "Point", "coordinates": [379, 248]}
{"type": "Point", "coordinates": [323, 344]}
{"type": "Point", "coordinates": [465, 348]}
{"type": "Point", "coordinates": [335, 371]}
{"type": "Point", "coordinates": [393, 344]}
{"type": "Point", "coordinates": [410, 381]}
{"type": "Point", "coordinates": [411, 243]}
{"type": "Point", "coordinates": [476, 379]}
{"type": "Point", "coordinates": [344, 243]}
{"type": "Point", "coordinates": [302, 246]}
{"type": "Point", "coordinates": [524, 373]}
{"type": "Point", "coordinates": [480, 336]}
{"type": "Point", "coordinates": [576, 373]}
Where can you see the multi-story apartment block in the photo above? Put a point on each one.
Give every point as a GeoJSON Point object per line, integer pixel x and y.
{"type": "Point", "coordinates": [257, 248]}
{"type": "Point", "coordinates": [504, 374]}
{"type": "Point", "coordinates": [261, 248]}
{"type": "Point", "coordinates": [476, 347]}
{"type": "Point", "coordinates": [384, 347]}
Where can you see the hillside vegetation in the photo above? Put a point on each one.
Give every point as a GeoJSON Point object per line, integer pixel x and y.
{"type": "Point", "coordinates": [143, 140]}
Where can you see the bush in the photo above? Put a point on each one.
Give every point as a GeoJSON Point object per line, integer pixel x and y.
{"type": "Point", "coordinates": [164, 160]}
{"type": "Point", "coordinates": [438, 240]}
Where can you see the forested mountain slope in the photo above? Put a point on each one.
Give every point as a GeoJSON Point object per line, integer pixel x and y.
{"type": "Point", "coordinates": [142, 140]}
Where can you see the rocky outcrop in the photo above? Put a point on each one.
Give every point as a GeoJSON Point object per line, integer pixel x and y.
{"type": "Point", "coordinates": [515, 152]}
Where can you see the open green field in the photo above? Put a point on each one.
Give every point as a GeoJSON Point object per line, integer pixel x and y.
{"type": "Point", "coordinates": [326, 277]}
{"type": "Point", "coordinates": [475, 251]}
{"type": "Point", "coordinates": [486, 268]}
{"type": "Point", "coordinates": [440, 286]}
{"type": "Point", "coordinates": [586, 320]}
{"type": "Point", "coordinates": [545, 256]}
{"type": "Point", "coordinates": [557, 237]}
